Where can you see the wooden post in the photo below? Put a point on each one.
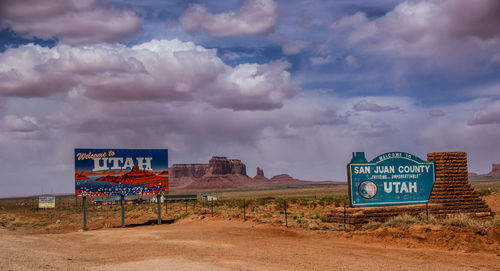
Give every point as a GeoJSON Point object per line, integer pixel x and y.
{"type": "Point", "coordinates": [212, 208]}
{"type": "Point", "coordinates": [158, 198]}
{"type": "Point", "coordinates": [344, 216]}
{"type": "Point", "coordinates": [84, 205]}
{"type": "Point", "coordinates": [122, 203]}
{"type": "Point", "coordinates": [427, 210]}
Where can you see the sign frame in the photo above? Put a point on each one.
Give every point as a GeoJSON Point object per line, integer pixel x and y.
{"type": "Point", "coordinates": [393, 178]}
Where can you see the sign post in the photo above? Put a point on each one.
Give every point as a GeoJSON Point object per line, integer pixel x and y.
{"type": "Point", "coordinates": [394, 178]}
{"type": "Point", "coordinates": [84, 206]}
{"type": "Point", "coordinates": [122, 203]}
{"type": "Point", "coordinates": [158, 199]}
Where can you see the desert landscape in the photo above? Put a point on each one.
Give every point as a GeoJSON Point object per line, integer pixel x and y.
{"type": "Point", "coordinates": [247, 230]}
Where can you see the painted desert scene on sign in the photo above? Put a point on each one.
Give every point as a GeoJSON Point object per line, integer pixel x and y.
{"type": "Point", "coordinates": [101, 172]}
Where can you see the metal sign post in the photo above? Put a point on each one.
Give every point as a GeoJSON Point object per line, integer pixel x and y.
{"type": "Point", "coordinates": [84, 205]}
{"type": "Point", "coordinates": [122, 203]}
{"type": "Point", "coordinates": [158, 198]}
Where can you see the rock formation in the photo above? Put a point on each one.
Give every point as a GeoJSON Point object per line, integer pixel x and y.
{"type": "Point", "coordinates": [237, 167]}
{"type": "Point", "coordinates": [218, 165]}
{"type": "Point", "coordinates": [495, 170]}
{"type": "Point", "coordinates": [260, 176]}
{"type": "Point", "coordinates": [260, 172]}
{"type": "Point", "coordinates": [222, 173]}
{"type": "Point", "coordinates": [188, 170]}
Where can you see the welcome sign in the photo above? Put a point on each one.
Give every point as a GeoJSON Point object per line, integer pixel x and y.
{"type": "Point", "coordinates": [102, 172]}
{"type": "Point", "coordinates": [394, 178]}
{"type": "Point", "coordinates": [45, 202]}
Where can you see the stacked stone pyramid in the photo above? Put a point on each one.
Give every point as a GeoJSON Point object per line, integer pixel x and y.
{"type": "Point", "coordinates": [452, 190]}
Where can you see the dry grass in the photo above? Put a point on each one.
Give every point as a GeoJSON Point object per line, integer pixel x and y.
{"type": "Point", "coordinates": [301, 212]}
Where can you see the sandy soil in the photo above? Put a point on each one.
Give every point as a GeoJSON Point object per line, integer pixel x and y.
{"type": "Point", "coordinates": [216, 244]}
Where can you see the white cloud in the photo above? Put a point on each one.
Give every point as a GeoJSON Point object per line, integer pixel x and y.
{"type": "Point", "coordinates": [71, 21]}
{"type": "Point", "coordinates": [315, 61]}
{"type": "Point", "coordinates": [255, 17]}
{"type": "Point", "coordinates": [290, 46]}
{"type": "Point", "coordinates": [352, 61]}
{"type": "Point", "coordinates": [24, 124]}
{"type": "Point", "coordinates": [159, 70]}
{"type": "Point", "coordinates": [488, 115]}
{"type": "Point", "coordinates": [428, 27]}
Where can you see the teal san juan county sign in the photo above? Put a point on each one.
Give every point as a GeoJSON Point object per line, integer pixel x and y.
{"type": "Point", "coordinates": [393, 178]}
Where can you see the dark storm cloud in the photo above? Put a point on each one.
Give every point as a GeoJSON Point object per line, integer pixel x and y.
{"type": "Point", "coordinates": [364, 105]}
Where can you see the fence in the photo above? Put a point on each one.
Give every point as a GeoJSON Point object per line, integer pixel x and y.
{"type": "Point", "coordinates": [292, 212]}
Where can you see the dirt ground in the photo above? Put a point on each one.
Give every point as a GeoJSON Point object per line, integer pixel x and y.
{"type": "Point", "coordinates": [197, 243]}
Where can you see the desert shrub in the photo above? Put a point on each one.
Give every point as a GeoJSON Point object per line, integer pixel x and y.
{"type": "Point", "coordinates": [402, 221]}
{"type": "Point", "coordinates": [372, 225]}
{"type": "Point", "coordinates": [264, 201]}
{"type": "Point", "coordinates": [464, 221]}
{"type": "Point", "coordinates": [337, 200]}
{"type": "Point", "coordinates": [182, 216]}
{"type": "Point", "coordinates": [484, 191]}
{"type": "Point", "coordinates": [304, 202]}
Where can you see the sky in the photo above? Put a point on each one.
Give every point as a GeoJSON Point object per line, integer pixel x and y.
{"type": "Point", "coordinates": [288, 86]}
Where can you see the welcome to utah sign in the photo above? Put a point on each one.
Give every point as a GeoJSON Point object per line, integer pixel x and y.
{"type": "Point", "coordinates": [394, 178]}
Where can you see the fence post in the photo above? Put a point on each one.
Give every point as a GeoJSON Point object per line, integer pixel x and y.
{"type": "Point", "coordinates": [344, 216]}
{"type": "Point", "coordinates": [212, 207]}
{"type": "Point", "coordinates": [286, 217]}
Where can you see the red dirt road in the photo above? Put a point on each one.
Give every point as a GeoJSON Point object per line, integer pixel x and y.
{"type": "Point", "coordinates": [207, 244]}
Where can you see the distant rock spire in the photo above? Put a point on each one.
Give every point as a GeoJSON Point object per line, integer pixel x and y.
{"type": "Point", "coordinates": [260, 172]}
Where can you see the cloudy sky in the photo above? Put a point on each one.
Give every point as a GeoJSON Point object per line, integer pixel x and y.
{"type": "Point", "coordinates": [290, 86]}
